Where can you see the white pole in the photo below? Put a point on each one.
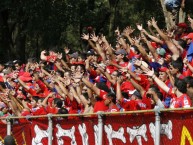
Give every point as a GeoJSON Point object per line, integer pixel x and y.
{"type": "Point", "coordinates": [100, 127]}
{"type": "Point", "coordinates": [8, 126]}
{"type": "Point", "coordinates": [157, 128]}
{"type": "Point", "coordinates": [50, 128]}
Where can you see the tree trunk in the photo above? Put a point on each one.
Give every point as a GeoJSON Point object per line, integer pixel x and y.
{"type": "Point", "coordinates": [170, 19]}
{"type": "Point", "coordinates": [170, 22]}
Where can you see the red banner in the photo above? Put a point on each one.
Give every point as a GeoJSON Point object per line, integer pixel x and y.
{"type": "Point", "coordinates": [138, 129]}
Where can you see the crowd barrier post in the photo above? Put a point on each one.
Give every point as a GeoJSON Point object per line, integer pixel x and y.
{"type": "Point", "coordinates": [100, 127]}
{"type": "Point", "coordinates": [157, 126]}
{"type": "Point", "coordinates": [8, 126]}
{"type": "Point", "coordinates": [50, 129]}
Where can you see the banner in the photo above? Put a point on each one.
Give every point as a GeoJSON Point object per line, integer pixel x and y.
{"type": "Point", "coordinates": [137, 129]}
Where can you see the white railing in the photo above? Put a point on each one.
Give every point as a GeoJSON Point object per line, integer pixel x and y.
{"type": "Point", "coordinates": [100, 121]}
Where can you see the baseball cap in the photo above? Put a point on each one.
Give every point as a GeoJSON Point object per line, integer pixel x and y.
{"type": "Point", "coordinates": [189, 36]}
{"type": "Point", "coordinates": [163, 69]}
{"type": "Point", "coordinates": [161, 51]}
{"type": "Point", "coordinates": [127, 87]}
{"type": "Point", "coordinates": [154, 44]}
{"type": "Point", "coordinates": [121, 51]}
{"type": "Point", "coordinates": [182, 25]}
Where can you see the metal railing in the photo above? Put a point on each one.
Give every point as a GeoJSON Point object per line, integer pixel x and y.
{"type": "Point", "coordinates": [100, 120]}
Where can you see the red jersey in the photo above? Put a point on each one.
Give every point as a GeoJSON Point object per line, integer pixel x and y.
{"type": "Point", "coordinates": [52, 110]}
{"type": "Point", "coordinates": [113, 108]}
{"type": "Point", "coordinates": [135, 105]}
{"type": "Point", "coordinates": [179, 102]}
{"type": "Point", "coordinates": [100, 106]}
{"type": "Point", "coordinates": [38, 111]}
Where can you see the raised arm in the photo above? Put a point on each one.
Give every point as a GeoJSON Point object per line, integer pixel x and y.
{"type": "Point", "coordinates": [136, 85]}
{"type": "Point", "coordinates": [160, 83]}
{"type": "Point", "coordinates": [91, 86]}
{"type": "Point", "coordinates": [171, 46]}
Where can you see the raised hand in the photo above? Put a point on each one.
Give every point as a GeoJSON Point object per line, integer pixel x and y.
{"type": "Point", "coordinates": [128, 75]}
{"type": "Point", "coordinates": [94, 37]}
{"type": "Point", "coordinates": [59, 55]}
{"type": "Point", "coordinates": [85, 36]}
{"type": "Point", "coordinates": [117, 31]}
{"type": "Point", "coordinates": [149, 23]}
{"type": "Point", "coordinates": [128, 30]}
{"type": "Point", "coordinates": [67, 81]}
{"type": "Point", "coordinates": [185, 60]}
{"type": "Point", "coordinates": [154, 22]}
{"type": "Point", "coordinates": [137, 62]}
{"type": "Point", "coordinates": [139, 27]}
{"type": "Point", "coordinates": [191, 21]}
{"type": "Point", "coordinates": [171, 34]}
{"type": "Point", "coordinates": [143, 37]}
{"type": "Point", "coordinates": [66, 50]}
{"type": "Point", "coordinates": [149, 72]}
{"type": "Point", "coordinates": [136, 40]}
{"type": "Point", "coordinates": [103, 39]}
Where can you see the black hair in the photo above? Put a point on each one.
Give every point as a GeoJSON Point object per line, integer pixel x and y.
{"type": "Point", "coordinates": [189, 81]}
{"type": "Point", "coordinates": [125, 59]}
{"type": "Point", "coordinates": [181, 85]}
{"type": "Point", "coordinates": [82, 66]}
{"type": "Point", "coordinates": [63, 111]}
{"type": "Point", "coordinates": [103, 86]}
{"type": "Point", "coordinates": [58, 102]}
{"type": "Point", "coordinates": [135, 48]}
{"type": "Point", "coordinates": [178, 64]}
{"type": "Point", "coordinates": [32, 60]}
{"type": "Point", "coordinates": [36, 98]}
{"type": "Point", "coordinates": [17, 62]}
{"type": "Point", "coordinates": [119, 73]}
{"type": "Point", "coordinates": [9, 64]}
{"type": "Point", "coordinates": [157, 91]}
{"type": "Point", "coordinates": [48, 68]}
{"type": "Point", "coordinates": [83, 56]}
{"type": "Point", "coordinates": [113, 96]}
{"type": "Point", "coordinates": [60, 73]}
{"type": "Point", "coordinates": [9, 140]}
{"type": "Point", "coordinates": [182, 43]}
{"type": "Point", "coordinates": [125, 95]}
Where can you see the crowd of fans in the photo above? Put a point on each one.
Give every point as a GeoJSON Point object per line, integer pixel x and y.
{"type": "Point", "coordinates": [139, 73]}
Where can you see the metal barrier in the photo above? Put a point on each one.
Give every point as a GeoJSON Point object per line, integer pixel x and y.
{"type": "Point", "coordinates": [100, 121]}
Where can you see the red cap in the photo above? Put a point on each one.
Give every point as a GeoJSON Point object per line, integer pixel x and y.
{"type": "Point", "coordinates": [154, 45]}
{"type": "Point", "coordinates": [190, 36]}
{"type": "Point", "coordinates": [182, 25]}
{"type": "Point", "coordinates": [127, 87]}
{"type": "Point", "coordinates": [1, 79]}
{"type": "Point", "coordinates": [163, 69]}
{"type": "Point", "coordinates": [25, 77]}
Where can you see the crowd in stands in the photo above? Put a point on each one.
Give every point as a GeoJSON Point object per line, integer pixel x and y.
{"type": "Point", "coordinates": [139, 73]}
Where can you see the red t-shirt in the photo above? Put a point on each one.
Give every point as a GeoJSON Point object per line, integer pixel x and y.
{"type": "Point", "coordinates": [52, 110]}
{"type": "Point", "coordinates": [147, 101]}
{"type": "Point", "coordinates": [113, 108]}
{"type": "Point", "coordinates": [38, 111]}
{"type": "Point", "coordinates": [100, 106]}
{"type": "Point", "coordinates": [179, 102]}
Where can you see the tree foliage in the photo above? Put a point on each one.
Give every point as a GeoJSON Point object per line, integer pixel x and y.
{"type": "Point", "coordinates": [27, 27]}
